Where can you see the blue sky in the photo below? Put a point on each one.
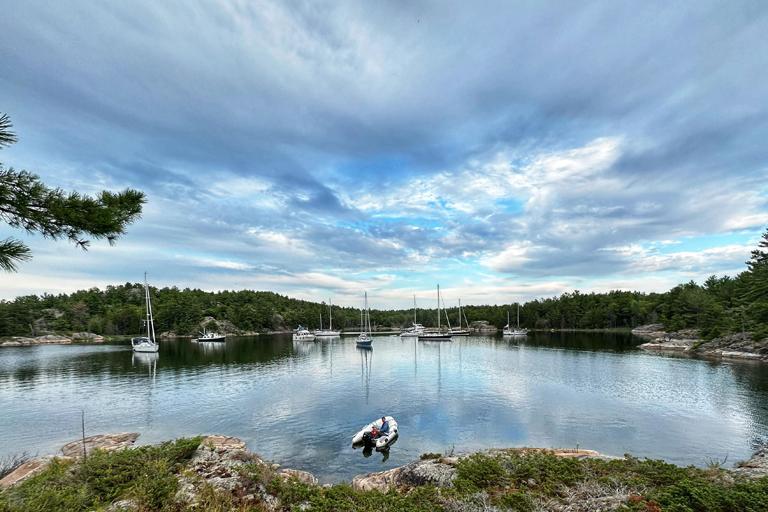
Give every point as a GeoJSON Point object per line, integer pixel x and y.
{"type": "Point", "coordinates": [507, 150]}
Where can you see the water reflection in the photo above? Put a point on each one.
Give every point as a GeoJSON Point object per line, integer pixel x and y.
{"type": "Point", "coordinates": [146, 359]}
{"type": "Point", "coordinates": [594, 390]}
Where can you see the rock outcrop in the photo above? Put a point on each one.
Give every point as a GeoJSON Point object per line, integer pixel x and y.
{"type": "Point", "coordinates": [756, 466]}
{"type": "Point", "coordinates": [735, 346]}
{"type": "Point", "coordinates": [24, 471]}
{"type": "Point", "coordinates": [52, 339]}
{"type": "Point", "coordinates": [482, 326]}
{"type": "Point", "coordinates": [437, 472]}
{"type": "Point", "coordinates": [225, 464]}
{"type": "Point", "coordinates": [106, 442]}
{"type": "Point", "coordinates": [441, 471]}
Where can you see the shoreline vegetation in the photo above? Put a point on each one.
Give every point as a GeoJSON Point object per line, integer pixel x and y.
{"type": "Point", "coordinates": [219, 473]}
{"type": "Point", "coordinates": [80, 338]}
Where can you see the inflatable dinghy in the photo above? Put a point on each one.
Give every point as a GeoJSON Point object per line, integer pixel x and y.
{"type": "Point", "coordinates": [365, 437]}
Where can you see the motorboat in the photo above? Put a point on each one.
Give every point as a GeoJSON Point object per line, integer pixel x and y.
{"type": "Point", "coordinates": [211, 336]}
{"type": "Point", "coordinates": [364, 339]}
{"type": "Point", "coordinates": [329, 332]}
{"type": "Point", "coordinates": [303, 334]}
{"type": "Point", "coordinates": [366, 437]}
{"type": "Point", "coordinates": [146, 343]}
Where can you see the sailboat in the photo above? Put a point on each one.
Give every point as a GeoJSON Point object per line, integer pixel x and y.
{"type": "Point", "coordinates": [365, 339]}
{"type": "Point", "coordinates": [459, 331]}
{"type": "Point", "coordinates": [438, 335]}
{"type": "Point", "coordinates": [416, 329]}
{"type": "Point", "coordinates": [146, 343]}
{"type": "Point", "coordinates": [329, 332]}
{"type": "Point", "coordinates": [515, 331]}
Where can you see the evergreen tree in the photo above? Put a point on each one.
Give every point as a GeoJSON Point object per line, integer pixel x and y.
{"type": "Point", "coordinates": [27, 203]}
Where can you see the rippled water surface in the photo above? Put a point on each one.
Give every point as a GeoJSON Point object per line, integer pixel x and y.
{"type": "Point", "coordinates": [300, 403]}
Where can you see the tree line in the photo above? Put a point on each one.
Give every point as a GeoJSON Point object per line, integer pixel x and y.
{"type": "Point", "coordinates": [719, 306]}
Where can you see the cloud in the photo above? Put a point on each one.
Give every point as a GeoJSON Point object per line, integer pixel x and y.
{"type": "Point", "coordinates": [528, 141]}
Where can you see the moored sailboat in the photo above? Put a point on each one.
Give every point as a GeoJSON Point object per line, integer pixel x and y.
{"type": "Point", "coordinates": [146, 343]}
{"type": "Point", "coordinates": [515, 331]}
{"type": "Point", "coordinates": [364, 339]}
{"type": "Point", "coordinates": [329, 332]}
{"type": "Point", "coordinates": [439, 334]}
{"type": "Point", "coordinates": [416, 329]}
{"type": "Point", "coordinates": [459, 331]}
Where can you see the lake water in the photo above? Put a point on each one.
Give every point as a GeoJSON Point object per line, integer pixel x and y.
{"type": "Point", "coordinates": [300, 403]}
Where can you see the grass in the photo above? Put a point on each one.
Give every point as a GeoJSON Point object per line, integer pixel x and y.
{"type": "Point", "coordinates": [145, 474]}
{"type": "Point", "coordinates": [517, 480]}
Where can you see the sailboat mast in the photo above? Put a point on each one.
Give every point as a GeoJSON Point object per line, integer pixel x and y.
{"type": "Point", "coordinates": [518, 315]}
{"type": "Point", "coordinates": [321, 319]}
{"type": "Point", "coordinates": [438, 307]}
{"type": "Point", "coordinates": [367, 315]}
{"type": "Point", "coordinates": [459, 313]}
{"type": "Point", "coordinates": [150, 320]}
{"type": "Point", "coordinates": [330, 314]}
{"type": "Point", "coordinates": [414, 309]}
{"type": "Point", "coordinates": [447, 319]}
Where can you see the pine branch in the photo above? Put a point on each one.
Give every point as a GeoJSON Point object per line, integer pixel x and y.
{"type": "Point", "coordinates": [7, 137]}
{"type": "Point", "coordinates": [13, 252]}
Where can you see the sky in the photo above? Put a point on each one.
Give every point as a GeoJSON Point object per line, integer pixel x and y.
{"type": "Point", "coordinates": [507, 150]}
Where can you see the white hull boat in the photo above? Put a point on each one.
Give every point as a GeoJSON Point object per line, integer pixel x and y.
{"type": "Point", "coordinates": [435, 336]}
{"type": "Point", "coordinates": [416, 329]}
{"type": "Point", "coordinates": [211, 336]}
{"type": "Point", "coordinates": [515, 331]}
{"type": "Point", "coordinates": [364, 437]}
{"type": "Point", "coordinates": [302, 334]}
{"type": "Point", "coordinates": [329, 332]}
{"type": "Point", "coordinates": [146, 343]}
{"type": "Point", "coordinates": [364, 340]}
{"type": "Point", "coordinates": [439, 334]}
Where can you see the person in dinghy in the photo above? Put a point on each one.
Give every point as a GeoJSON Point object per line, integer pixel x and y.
{"type": "Point", "coordinates": [380, 434]}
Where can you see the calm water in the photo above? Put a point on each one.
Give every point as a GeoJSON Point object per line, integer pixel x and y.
{"type": "Point", "coordinates": [300, 403]}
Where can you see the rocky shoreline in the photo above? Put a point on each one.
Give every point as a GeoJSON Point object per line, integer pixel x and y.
{"type": "Point", "coordinates": [689, 342]}
{"type": "Point", "coordinates": [52, 339]}
{"type": "Point", "coordinates": [221, 471]}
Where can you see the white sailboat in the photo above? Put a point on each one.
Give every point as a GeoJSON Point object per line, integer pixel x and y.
{"type": "Point", "coordinates": [329, 332]}
{"type": "Point", "coordinates": [437, 335]}
{"type": "Point", "coordinates": [146, 343]}
{"type": "Point", "coordinates": [459, 331]}
{"type": "Point", "coordinates": [365, 339]}
{"type": "Point", "coordinates": [416, 329]}
{"type": "Point", "coordinates": [515, 331]}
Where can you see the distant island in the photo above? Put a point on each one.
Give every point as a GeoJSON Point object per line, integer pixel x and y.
{"type": "Point", "coordinates": [718, 308]}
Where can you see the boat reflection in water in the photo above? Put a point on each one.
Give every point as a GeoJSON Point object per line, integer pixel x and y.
{"type": "Point", "coordinates": [148, 359]}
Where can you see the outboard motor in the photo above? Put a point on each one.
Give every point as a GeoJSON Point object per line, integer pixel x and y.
{"type": "Point", "coordinates": [368, 440]}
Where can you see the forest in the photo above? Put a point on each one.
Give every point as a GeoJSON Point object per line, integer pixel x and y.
{"type": "Point", "coordinates": [720, 305]}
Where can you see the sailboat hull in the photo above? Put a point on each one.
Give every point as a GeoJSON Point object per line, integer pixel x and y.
{"type": "Point", "coordinates": [144, 345]}
{"type": "Point", "coordinates": [327, 334]}
{"type": "Point", "coordinates": [434, 337]}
